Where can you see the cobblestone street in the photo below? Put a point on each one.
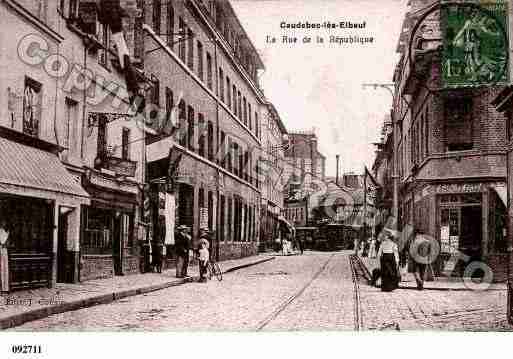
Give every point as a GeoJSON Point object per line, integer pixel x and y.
{"type": "Point", "coordinates": [310, 292]}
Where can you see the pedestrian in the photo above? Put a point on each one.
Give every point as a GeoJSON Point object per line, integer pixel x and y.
{"type": "Point", "coordinates": [158, 257]}
{"type": "Point", "coordinates": [419, 251]}
{"type": "Point", "coordinates": [356, 245]}
{"type": "Point", "coordinates": [4, 259]}
{"type": "Point", "coordinates": [204, 256]}
{"type": "Point", "coordinates": [372, 248]}
{"type": "Point", "coordinates": [205, 238]}
{"type": "Point", "coordinates": [182, 245]}
{"type": "Point", "coordinates": [388, 256]}
{"type": "Point", "coordinates": [300, 245]}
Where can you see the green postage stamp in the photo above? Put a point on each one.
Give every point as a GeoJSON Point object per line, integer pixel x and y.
{"type": "Point", "coordinates": [475, 43]}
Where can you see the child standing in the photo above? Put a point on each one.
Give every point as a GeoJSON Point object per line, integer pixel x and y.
{"type": "Point", "coordinates": [203, 260]}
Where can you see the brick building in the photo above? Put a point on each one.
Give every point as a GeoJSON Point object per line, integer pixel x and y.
{"type": "Point", "coordinates": [304, 170]}
{"type": "Point", "coordinates": [204, 72]}
{"type": "Point", "coordinates": [72, 165]}
{"type": "Point", "coordinates": [451, 153]}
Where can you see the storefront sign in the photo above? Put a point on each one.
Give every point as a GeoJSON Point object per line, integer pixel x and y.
{"type": "Point", "coordinates": [203, 218]}
{"type": "Point", "coordinates": [459, 188]}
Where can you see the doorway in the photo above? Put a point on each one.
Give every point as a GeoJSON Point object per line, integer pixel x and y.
{"type": "Point", "coordinates": [117, 251]}
{"type": "Point", "coordinates": [461, 221]}
{"type": "Point", "coordinates": [64, 275]}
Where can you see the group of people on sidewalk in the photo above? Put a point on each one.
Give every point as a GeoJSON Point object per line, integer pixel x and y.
{"type": "Point", "coordinates": [182, 248]}
{"type": "Point", "coordinates": [391, 259]}
{"type": "Point", "coordinates": [289, 245]}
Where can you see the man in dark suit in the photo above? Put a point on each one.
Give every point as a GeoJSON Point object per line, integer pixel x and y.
{"type": "Point", "coordinates": [182, 245]}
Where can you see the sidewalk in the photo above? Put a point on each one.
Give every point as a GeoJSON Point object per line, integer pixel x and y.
{"type": "Point", "coordinates": [23, 306]}
{"type": "Point", "coordinates": [440, 283]}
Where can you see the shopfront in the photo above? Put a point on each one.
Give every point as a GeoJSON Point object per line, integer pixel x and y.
{"type": "Point", "coordinates": [39, 212]}
{"type": "Point", "coordinates": [108, 243]}
{"type": "Point", "coordinates": [467, 219]}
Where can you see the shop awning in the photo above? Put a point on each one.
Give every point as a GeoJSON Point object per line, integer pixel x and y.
{"type": "Point", "coordinates": [29, 171]}
{"type": "Point", "coordinates": [502, 193]}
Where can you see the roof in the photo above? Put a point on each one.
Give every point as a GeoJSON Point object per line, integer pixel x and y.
{"type": "Point", "coordinates": [229, 7]}
{"type": "Point", "coordinates": [277, 117]}
{"type": "Point", "coordinates": [26, 166]}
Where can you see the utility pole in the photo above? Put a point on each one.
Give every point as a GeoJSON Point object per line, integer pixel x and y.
{"type": "Point", "coordinates": [336, 178]}
{"type": "Point", "coordinates": [395, 156]}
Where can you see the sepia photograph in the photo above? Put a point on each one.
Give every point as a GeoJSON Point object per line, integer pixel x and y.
{"type": "Point", "coordinates": [255, 166]}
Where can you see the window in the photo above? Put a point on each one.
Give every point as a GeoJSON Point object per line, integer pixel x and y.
{"type": "Point", "coordinates": [101, 143]}
{"type": "Point", "coordinates": [181, 46]}
{"type": "Point", "coordinates": [250, 121]}
{"type": "Point", "coordinates": [221, 84]}
{"type": "Point", "coordinates": [239, 110]}
{"type": "Point", "coordinates": [201, 135]}
{"type": "Point", "coordinates": [229, 156]}
{"type": "Point", "coordinates": [73, 9]}
{"type": "Point", "coordinates": [222, 218]}
{"type": "Point", "coordinates": [125, 144]}
{"type": "Point", "coordinates": [234, 94]}
{"type": "Point", "coordinates": [210, 133]}
{"type": "Point", "coordinates": [230, 219]}
{"type": "Point", "coordinates": [223, 149]}
{"type": "Point", "coordinates": [190, 129]}
{"type": "Point", "coordinates": [190, 51]}
{"type": "Point", "coordinates": [103, 38]}
{"type": "Point", "coordinates": [156, 16]}
{"type": "Point", "coordinates": [257, 126]}
{"type": "Point", "coordinates": [235, 158]}
{"type": "Point", "coordinates": [458, 124]}
{"type": "Point", "coordinates": [209, 71]}
{"type": "Point", "coordinates": [182, 134]}
{"type": "Point", "coordinates": [32, 107]}
{"type": "Point", "coordinates": [250, 169]}
{"type": "Point", "coordinates": [200, 61]}
{"type": "Point", "coordinates": [71, 125]}
{"type": "Point", "coordinates": [245, 111]}
{"type": "Point", "coordinates": [98, 231]}
{"type": "Point", "coordinates": [241, 163]}
{"type": "Point", "coordinates": [155, 91]}
{"type": "Point", "coordinates": [228, 93]}
{"type": "Point", "coordinates": [170, 24]}
{"type": "Point", "coordinates": [169, 105]}
{"type": "Point", "coordinates": [245, 166]}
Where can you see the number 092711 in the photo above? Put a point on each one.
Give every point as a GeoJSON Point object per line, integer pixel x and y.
{"type": "Point", "coordinates": [26, 349]}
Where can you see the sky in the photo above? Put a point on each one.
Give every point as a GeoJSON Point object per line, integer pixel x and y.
{"type": "Point", "coordinates": [319, 85]}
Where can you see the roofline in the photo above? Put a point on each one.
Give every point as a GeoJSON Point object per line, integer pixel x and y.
{"type": "Point", "coordinates": [260, 62]}
{"type": "Point", "coordinates": [273, 109]}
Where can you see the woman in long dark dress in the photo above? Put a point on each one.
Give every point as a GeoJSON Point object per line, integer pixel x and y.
{"type": "Point", "coordinates": [388, 255]}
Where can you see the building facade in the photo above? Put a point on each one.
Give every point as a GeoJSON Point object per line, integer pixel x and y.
{"type": "Point", "coordinates": [304, 171]}
{"type": "Point", "coordinates": [204, 72]}
{"type": "Point", "coordinates": [451, 154]}
{"type": "Point", "coordinates": [274, 136]}
{"type": "Point", "coordinates": [81, 166]}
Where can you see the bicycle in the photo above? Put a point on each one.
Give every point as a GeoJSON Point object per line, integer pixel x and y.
{"type": "Point", "coordinates": [214, 269]}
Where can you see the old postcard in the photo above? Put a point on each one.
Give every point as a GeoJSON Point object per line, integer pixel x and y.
{"type": "Point", "coordinates": [255, 166]}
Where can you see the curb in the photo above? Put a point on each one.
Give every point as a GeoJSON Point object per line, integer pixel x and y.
{"type": "Point", "coordinates": [248, 264]}
{"type": "Point", "coordinates": [40, 313]}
